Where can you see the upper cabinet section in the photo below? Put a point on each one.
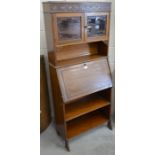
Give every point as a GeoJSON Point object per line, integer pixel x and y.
{"type": "Point", "coordinates": [78, 22]}
{"type": "Point", "coordinates": [71, 28]}
{"type": "Point", "coordinates": [68, 28]}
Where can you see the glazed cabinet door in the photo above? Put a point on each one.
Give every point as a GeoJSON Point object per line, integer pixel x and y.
{"type": "Point", "coordinates": [68, 28]}
{"type": "Point", "coordinates": [96, 26]}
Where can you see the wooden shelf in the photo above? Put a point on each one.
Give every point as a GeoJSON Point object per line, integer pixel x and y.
{"type": "Point", "coordinates": [84, 106]}
{"type": "Point", "coordinates": [79, 60]}
{"type": "Point", "coordinates": [84, 123]}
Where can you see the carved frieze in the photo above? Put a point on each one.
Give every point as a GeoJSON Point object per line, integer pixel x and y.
{"type": "Point", "coordinates": [54, 7]}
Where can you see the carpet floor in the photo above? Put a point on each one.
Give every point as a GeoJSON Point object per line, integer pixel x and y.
{"type": "Point", "coordinates": [98, 141]}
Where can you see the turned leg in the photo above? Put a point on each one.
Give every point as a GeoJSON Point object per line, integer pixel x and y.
{"type": "Point", "coordinates": [109, 124]}
{"type": "Point", "coordinates": [67, 145]}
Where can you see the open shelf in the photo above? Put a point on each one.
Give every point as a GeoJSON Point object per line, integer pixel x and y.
{"type": "Point", "coordinates": [82, 59]}
{"type": "Point", "coordinates": [84, 106]}
{"type": "Point", "coordinates": [79, 53]}
{"type": "Point", "coordinates": [86, 122]}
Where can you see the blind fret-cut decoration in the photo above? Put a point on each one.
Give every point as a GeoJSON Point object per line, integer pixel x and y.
{"type": "Point", "coordinates": [77, 7]}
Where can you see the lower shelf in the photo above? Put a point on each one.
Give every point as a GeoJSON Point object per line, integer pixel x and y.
{"type": "Point", "coordinates": [84, 123]}
{"type": "Point", "coordinates": [84, 106]}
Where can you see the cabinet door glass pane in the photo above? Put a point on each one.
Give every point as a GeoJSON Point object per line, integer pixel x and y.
{"type": "Point", "coordinates": [96, 25]}
{"type": "Point", "coordinates": [69, 28]}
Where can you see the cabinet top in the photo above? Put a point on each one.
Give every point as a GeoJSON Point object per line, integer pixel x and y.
{"type": "Point", "coordinates": [62, 7]}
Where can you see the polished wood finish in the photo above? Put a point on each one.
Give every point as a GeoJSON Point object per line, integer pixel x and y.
{"type": "Point", "coordinates": [79, 60]}
{"type": "Point", "coordinates": [76, 54]}
{"type": "Point", "coordinates": [58, 106]}
{"type": "Point", "coordinates": [79, 50]}
{"type": "Point", "coordinates": [85, 123]}
{"type": "Point", "coordinates": [45, 112]}
{"type": "Point", "coordinates": [80, 74]}
{"type": "Point", "coordinates": [83, 79]}
{"type": "Point", "coordinates": [84, 106]}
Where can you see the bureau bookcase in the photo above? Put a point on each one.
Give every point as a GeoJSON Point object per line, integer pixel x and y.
{"type": "Point", "coordinates": [77, 40]}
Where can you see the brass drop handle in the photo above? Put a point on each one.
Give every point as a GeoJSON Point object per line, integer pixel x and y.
{"type": "Point", "coordinates": [85, 66]}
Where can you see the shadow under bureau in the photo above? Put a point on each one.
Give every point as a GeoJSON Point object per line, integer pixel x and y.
{"type": "Point", "coordinates": [77, 39]}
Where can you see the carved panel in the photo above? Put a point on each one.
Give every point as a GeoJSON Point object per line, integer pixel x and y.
{"type": "Point", "coordinates": [54, 7]}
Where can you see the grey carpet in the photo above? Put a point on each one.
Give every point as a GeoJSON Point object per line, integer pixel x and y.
{"type": "Point", "coordinates": [99, 141]}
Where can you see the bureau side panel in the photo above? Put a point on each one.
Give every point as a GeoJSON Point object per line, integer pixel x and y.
{"type": "Point", "coordinates": [58, 104]}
